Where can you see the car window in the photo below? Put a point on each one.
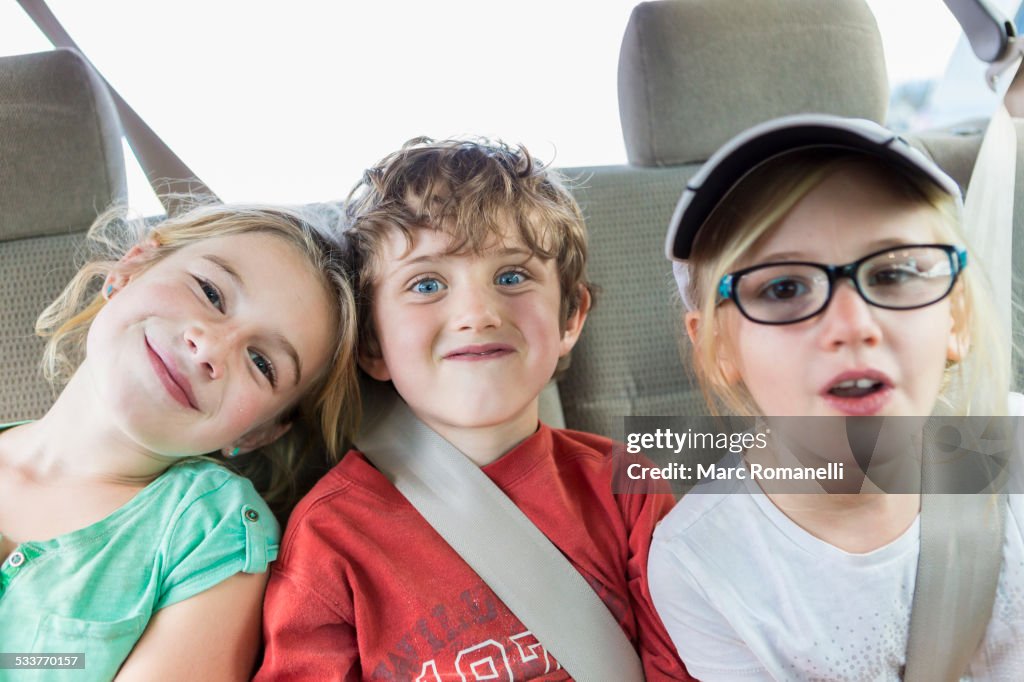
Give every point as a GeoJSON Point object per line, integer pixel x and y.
{"type": "Point", "coordinates": [289, 102]}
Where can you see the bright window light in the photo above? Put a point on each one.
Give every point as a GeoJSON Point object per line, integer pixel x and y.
{"type": "Point", "coordinates": [288, 102]}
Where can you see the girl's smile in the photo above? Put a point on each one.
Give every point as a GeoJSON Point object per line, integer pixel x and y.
{"type": "Point", "coordinates": [177, 385]}
{"type": "Point", "coordinates": [206, 345]}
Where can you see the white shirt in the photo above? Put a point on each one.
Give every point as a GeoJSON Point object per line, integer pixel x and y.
{"type": "Point", "coordinates": [747, 594]}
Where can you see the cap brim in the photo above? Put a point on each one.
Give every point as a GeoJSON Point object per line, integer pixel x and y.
{"type": "Point", "coordinates": [763, 142]}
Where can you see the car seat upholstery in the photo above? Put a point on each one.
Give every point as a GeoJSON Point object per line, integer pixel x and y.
{"type": "Point", "coordinates": [61, 163]}
{"type": "Point", "coordinates": [693, 73]}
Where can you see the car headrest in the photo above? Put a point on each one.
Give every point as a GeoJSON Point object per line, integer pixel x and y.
{"type": "Point", "coordinates": [61, 160]}
{"type": "Point", "coordinates": [694, 73]}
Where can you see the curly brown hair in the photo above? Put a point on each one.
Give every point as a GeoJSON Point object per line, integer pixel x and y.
{"type": "Point", "coordinates": [472, 190]}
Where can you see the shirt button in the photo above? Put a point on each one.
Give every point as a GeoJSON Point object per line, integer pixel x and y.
{"type": "Point", "coordinates": [252, 515]}
{"type": "Point", "coordinates": [16, 559]}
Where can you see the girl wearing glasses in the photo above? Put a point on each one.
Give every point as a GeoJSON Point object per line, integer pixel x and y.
{"type": "Point", "coordinates": [824, 275]}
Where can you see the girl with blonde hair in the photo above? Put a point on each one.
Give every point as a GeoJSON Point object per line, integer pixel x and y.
{"type": "Point", "coordinates": [825, 276]}
{"type": "Point", "coordinates": [222, 336]}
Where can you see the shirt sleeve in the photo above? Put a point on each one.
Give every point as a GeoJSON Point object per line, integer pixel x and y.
{"type": "Point", "coordinates": [703, 637]}
{"type": "Point", "coordinates": [307, 633]}
{"type": "Point", "coordinates": [658, 655]}
{"type": "Point", "coordinates": [226, 528]}
{"type": "Point", "coordinates": [305, 638]}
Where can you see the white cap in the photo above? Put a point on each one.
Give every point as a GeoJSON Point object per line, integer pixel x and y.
{"type": "Point", "coordinates": [766, 141]}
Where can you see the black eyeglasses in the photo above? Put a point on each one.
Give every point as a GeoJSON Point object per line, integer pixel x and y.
{"type": "Point", "coordinates": [900, 278]}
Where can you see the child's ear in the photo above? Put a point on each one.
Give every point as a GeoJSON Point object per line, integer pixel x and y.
{"type": "Point", "coordinates": [958, 343]}
{"type": "Point", "coordinates": [723, 353]}
{"type": "Point", "coordinates": [574, 325]}
{"type": "Point", "coordinates": [692, 323]}
{"type": "Point", "coordinates": [374, 365]}
{"type": "Point", "coordinates": [129, 265]}
{"type": "Point", "coordinates": [956, 347]}
{"type": "Point", "coordinates": [257, 438]}
{"type": "Point", "coordinates": [369, 356]}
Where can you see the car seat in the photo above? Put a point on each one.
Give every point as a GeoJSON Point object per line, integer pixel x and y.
{"type": "Point", "coordinates": [693, 73]}
{"type": "Point", "coordinates": [61, 163]}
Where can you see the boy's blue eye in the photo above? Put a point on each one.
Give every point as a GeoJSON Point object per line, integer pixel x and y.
{"type": "Point", "coordinates": [427, 285]}
{"type": "Point", "coordinates": [510, 278]}
{"type": "Point", "coordinates": [265, 367]}
{"type": "Point", "coordinates": [212, 294]}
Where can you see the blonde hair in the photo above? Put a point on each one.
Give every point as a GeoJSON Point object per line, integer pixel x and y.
{"type": "Point", "coordinates": [757, 204]}
{"type": "Point", "coordinates": [330, 408]}
{"type": "Point", "coordinates": [471, 190]}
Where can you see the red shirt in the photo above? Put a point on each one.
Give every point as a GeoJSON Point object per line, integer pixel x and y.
{"type": "Point", "coordinates": [364, 588]}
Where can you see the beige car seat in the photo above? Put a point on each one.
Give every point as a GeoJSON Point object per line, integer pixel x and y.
{"type": "Point", "coordinates": [691, 75]}
{"type": "Point", "coordinates": [61, 163]}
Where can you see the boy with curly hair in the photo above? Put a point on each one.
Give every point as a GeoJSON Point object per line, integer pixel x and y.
{"type": "Point", "coordinates": [471, 260]}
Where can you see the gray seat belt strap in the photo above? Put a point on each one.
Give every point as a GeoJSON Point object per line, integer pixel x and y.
{"type": "Point", "coordinates": [166, 172]}
{"type": "Point", "coordinates": [518, 562]}
{"type": "Point", "coordinates": [962, 535]}
{"type": "Point", "coordinates": [957, 573]}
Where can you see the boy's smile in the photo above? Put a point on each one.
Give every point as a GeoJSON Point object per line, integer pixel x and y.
{"type": "Point", "coordinates": [487, 351]}
{"type": "Point", "coordinates": [469, 340]}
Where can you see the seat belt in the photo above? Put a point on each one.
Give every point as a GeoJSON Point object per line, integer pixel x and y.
{"type": "Point", "coordinates": [957, 573]}
{"type": "Point", "coordinates": [167, 173]}
{"type": "Point", "coordinates": [518, 562]}
{"type": "Point", "coordinates": [962, 535]}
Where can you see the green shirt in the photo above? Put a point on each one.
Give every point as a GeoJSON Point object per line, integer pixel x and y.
{"type": "Point", "coordinates": [93, 590]}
